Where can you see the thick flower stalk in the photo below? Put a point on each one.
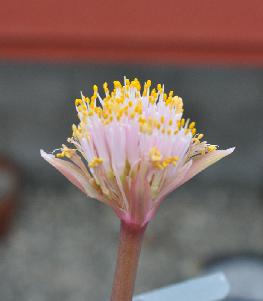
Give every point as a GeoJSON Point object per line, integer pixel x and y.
{"type": "Point", "coordinates": [131, 148]}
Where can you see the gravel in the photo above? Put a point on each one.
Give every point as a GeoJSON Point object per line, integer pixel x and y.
{"type": "Point", "coordinates": [62, 246]}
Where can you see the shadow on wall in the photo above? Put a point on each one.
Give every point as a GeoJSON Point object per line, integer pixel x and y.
{"type": "Point", "coordinates": [37, 110]}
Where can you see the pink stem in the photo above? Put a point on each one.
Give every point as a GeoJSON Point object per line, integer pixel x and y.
{"type": "Point", "coordinates": [131, 238]}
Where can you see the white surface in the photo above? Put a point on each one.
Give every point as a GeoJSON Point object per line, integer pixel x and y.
{"type": "Point", "coordinates": [208, 288]}
{"type": "Point", "coordinates": [242, 270]}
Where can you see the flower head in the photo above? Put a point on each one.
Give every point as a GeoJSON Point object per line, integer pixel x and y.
{"type": "Point", "coordinates": [132, 148]}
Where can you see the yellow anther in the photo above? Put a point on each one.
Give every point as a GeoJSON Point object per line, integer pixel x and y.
{"type": "Point", "coordinates": [120, 100]}
{"type": "Point", "coordinates": [182, 122]}
{"type": "Point", "coordinates": [95, 162]}
{"type": "Point", "coordinates": [117, 84]}
{"type": "Point", "coordinates": [105, 115]}
{"type": "Point", "coordinates": [75, 131]}
{"type": "Point", "coordinates": [137, 81]}
{"type": "Point", "coordinates": [212, 148]}
{"type": "Point", "coordinates": [138, 109]}
{"type": "Point", "coordinates": [165, 164]}
{"type": "Point", "coordinates": [132, 115]}
{"type": "Point", "coordinates": [152, 100]}
{"type": "Point", "coordinates": [148, 83]}
{"type": "Point", "coordinates": [142, 119]}
{"type": "Point", "coordinates": [106, 89]}
{"type": "Point", "coordinates": [159, 87]}
{"type": "Point", "coordinates": [195, 141]}
{"type": "Point", "coordinates": [178, 124]}
{"type": "Point", "coordinates": [168, 101]}
{"type": "Point", "coordinates": [175, 159]}
{"type": "Point", "coordinates": [78, 102]}
{"type": "Point", "coordinates": [146, 128]}
{"type": "Point", "coordinates": [74, 127]}
{"type": "Point", "coordinates": [200, 136]}
{"type": "Point", "coordinates": [192, 125]}
{"type": "Point", "coordinates": [193, 131]}
{"type": "Point", "coordinates": [68, 154]}
{"type": "Point", "coordinates": [98, 111]}
{"type": "Point", "coordinates": [178, 103]}
{"type": "Point", "coordinates": [153, 93]}
{"type": "Point", "coordinates": [65, 152]}
{"type": "Point", "coordinates": [60, 155]}
{"type": "Point", "coordinates": [95, 89]}
{"type": "Point", "coordinates": [171, 93]}
{"type": "Point", "coordinates": [136, 84]}
{"type": "Point", "coordinates": [162, 119]}
{"type": "Point", "coordinates": [170, 122]}
{"type": "Point", "coordinates": [130, 103]}
{"type": "Point", "coordinates": [155, 154]}
{"type": "Point", "coordinates": [158, 165]}
{"type": "Point", "coordinates": [169, 131]}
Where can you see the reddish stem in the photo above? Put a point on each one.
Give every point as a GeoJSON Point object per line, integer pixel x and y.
{"type": "Point", "coordinates": [131, 238]}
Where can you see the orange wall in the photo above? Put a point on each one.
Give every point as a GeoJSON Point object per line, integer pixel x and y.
{"type": "Point", "coordinates": [190, 31]}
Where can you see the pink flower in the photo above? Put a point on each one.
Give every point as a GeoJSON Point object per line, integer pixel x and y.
{"type": "Point", "coordinates": [132, 148]}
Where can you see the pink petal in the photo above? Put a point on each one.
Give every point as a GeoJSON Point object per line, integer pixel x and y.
{"type": "Point", "coordinates": [168, 189]}
{"type": "Point", "coordinates": [74, 174]}
{"type": "Point", "coordinates": [140, 199]}
{"type": "Point", "coordinates": [202, 162]}
{"type": "Point", "coordinates": [176, 182]}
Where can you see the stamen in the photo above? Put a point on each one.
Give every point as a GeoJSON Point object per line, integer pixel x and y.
{"type": "Point", "coordinates": [155, 154]}
{"type": "Point", "coordinates": [192, 125]}
{"type": "Point", "coordinates": [95, 162]}
{"type": "Point", "coordinates": [212, 148]}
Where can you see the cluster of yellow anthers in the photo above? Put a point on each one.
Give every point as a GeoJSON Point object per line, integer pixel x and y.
{"type": "Point", "coordinates": [158, 161]}
{"type": "Point", "coordinates": [69, 152]}
{"type": "Point", "coordinates": [65, 152]}
{"type": "Point", "coordinates": [126, 103]}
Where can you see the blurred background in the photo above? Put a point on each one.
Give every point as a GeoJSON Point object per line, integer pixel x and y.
{"type": "Point", "coordinates": [55, 244]}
